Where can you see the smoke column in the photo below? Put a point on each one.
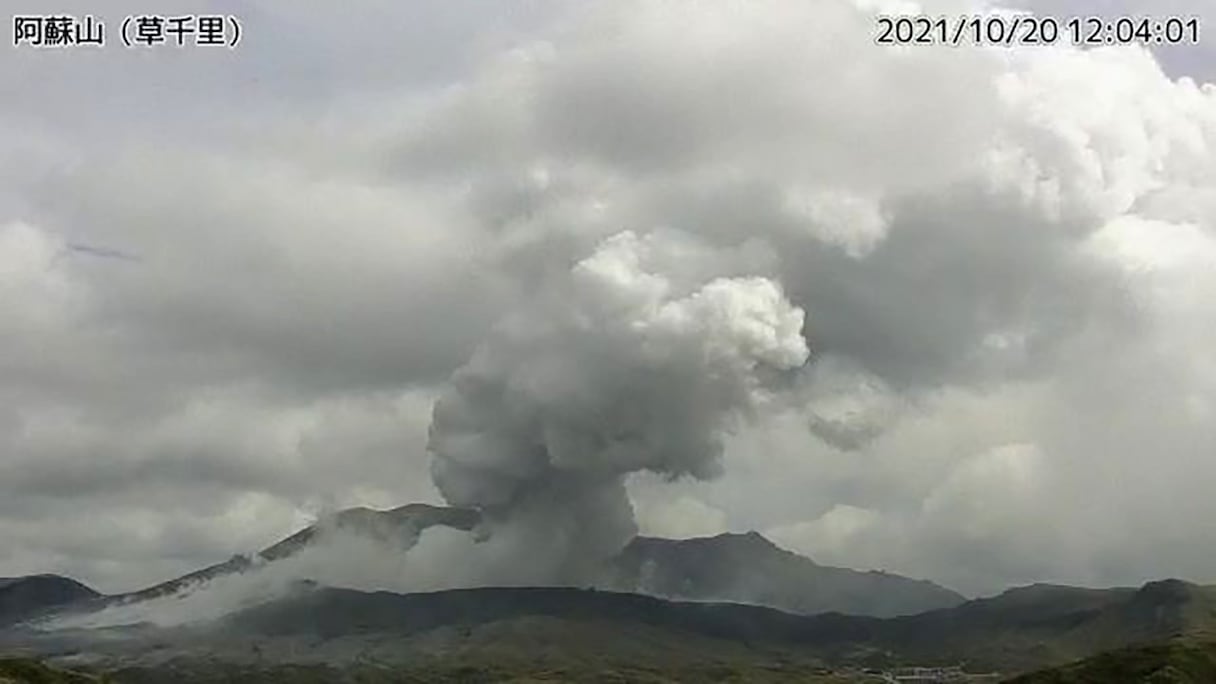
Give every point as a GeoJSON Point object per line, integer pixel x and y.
{"type": "Point", "coordinates": [615, 369]}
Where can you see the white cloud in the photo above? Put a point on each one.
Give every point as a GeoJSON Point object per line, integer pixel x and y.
{"type": "Point", "coordinates": [679, 518]}
{"type": "Point", "coordinates": [991, 249]}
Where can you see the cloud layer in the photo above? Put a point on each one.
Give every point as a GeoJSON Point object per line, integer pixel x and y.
{"type": "Point", "coordinates": [232, 296]}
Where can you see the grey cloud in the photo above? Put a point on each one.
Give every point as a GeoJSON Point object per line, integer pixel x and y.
{"type": "Point", "coordinates": [618, 368]}
{"type": "Point", "coordinates": [1012, 246]}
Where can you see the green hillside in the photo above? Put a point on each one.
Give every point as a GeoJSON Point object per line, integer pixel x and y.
{"type": "Point", "coordinates": [1179, 661]}
{"type": "Point", "coordinates": [572, 634]}
{"type": "Point", "coordinates": [27, 671]}
{"type": "Point", "coordinates": [476, 669]}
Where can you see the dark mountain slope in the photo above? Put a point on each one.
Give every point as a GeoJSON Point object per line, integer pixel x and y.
{"type": "Point", "coordinates": [1178, 661]}
{"type": "Point", "coordinates": [21, 597]}
{"type": "Point", "coordinates": [1020, 630]}
{"type": "Point", "coordinates": [398, 526]}
{"type": "Point", "coordinates": [748, 568]}
{"type": "Point", "coordinates": [1030, 626]}
{"type": "Point", "coordinates": [1157, 610]}
{"type": "Point", "coordinates": [329, 613]}
{"type": "Point", "coordinates": [27, 671]}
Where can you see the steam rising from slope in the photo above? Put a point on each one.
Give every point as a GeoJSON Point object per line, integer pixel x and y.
{"type": "Point", "coordinates": [632, 362]}
{"type": "Point", "coordinates": [619, 369]}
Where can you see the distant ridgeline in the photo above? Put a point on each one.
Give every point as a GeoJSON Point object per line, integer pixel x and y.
{"type": "Point", "coordinates": [659, 606]}
{"type": "Point", "coordinates": [743, 568]}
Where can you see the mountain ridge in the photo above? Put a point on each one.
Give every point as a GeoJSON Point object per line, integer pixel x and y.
{"type": "Point", "coordinates": [969, 633]}
{"type": "Point", "coordinates": [734, 567]}
{"type": "Point", "coordinates": [750, 568]}
{"type": "Point", "coordinates": [656, 591]}
{"type": "Point", "coordinates": [22, 597]}
{"type": "Point", "coordinates": [1021, 630]}
{"type": "Point", "coordinates": [401, 524]}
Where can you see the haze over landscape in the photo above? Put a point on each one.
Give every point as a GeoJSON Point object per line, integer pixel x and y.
{"type": "Point", "coordinates": [702, 301]}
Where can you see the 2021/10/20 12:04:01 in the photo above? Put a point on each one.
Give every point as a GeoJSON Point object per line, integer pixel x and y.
{"type": "Point", "coordinates": [1008, 30]}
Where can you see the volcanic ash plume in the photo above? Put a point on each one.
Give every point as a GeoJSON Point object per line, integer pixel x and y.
{"type": "Point", "coordinates": [616, 368]}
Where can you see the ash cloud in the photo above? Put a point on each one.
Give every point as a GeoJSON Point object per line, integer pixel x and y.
{"type": "Point", "coordinates": [616, 369]}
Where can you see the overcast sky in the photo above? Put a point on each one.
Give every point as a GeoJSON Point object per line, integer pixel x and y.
{"type": "Point", "coordinates": [233, 282]}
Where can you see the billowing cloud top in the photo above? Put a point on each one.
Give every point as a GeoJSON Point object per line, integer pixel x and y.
{"type": "Point", "coordinates": [611, 372]}
{"type": "Point", "coordinates": [601, 242]}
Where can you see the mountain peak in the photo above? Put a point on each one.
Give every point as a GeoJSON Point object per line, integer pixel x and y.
{"type": "Point", "coordinates": [20, 597]}
{"type": "Point", "coordinates": [749, 568]}
{"type": "Point", "coordinates": [743, 567]}
{"type": "Point", "coordinates": [1169, 591]}
{"type": "Point", "coordinates": [750, 538]}
{"type": "Point", "coordinates": [400, 525]}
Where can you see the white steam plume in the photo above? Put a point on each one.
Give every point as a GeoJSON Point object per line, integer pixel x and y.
{"type": "Point", "coordinates": [618, 370]}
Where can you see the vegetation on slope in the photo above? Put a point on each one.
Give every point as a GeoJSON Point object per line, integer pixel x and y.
{"type": "Point", "coordinates": [483, 672]}
{"type": "Point", "coordinates": [1178, 661]}
{"type": "Point", "coordinates": [27, 671]}
{"type": "Point", "coordinates": [475, 670]}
